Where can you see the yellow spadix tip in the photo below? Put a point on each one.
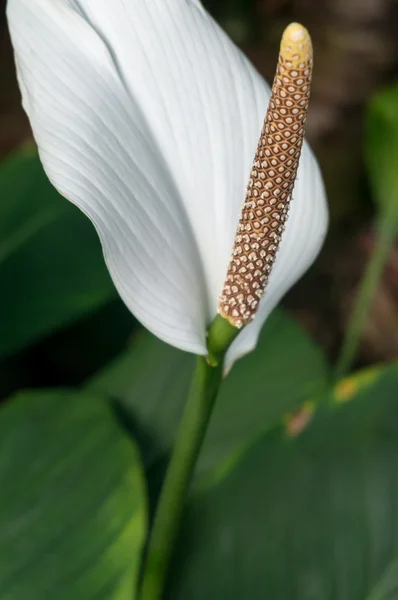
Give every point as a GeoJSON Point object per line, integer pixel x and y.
{"type": "Point", "coordinates": [296, 46]}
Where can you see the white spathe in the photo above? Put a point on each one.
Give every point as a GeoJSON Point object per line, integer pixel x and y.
{"type": "Point", "coordinates": [147, 117]}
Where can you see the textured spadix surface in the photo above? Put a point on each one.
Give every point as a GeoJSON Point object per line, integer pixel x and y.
{"type": "Point", "coordinates": [148, 117]}
{"type": "Point", "coordinates": [271, 180]}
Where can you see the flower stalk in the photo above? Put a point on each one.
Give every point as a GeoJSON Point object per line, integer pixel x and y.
{"type": "Point", "coordinates": [386, 228]}
{"type": "Point", "coordinates": [205, 384]}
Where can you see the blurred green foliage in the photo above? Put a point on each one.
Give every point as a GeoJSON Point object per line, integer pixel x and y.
{"type": "Point", "coordinates": [300, 516]}
{"type": "Point", "coordinates": [237, 17]}
{"type": "Point", "coordinates": [387, 587]}
{"type": "Point", "coordinates": [51, 269]}
{"type": "Point", "coordinates": [382, 152]}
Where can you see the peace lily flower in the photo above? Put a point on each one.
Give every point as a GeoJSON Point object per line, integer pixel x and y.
{"type": "Point", "coordinates": [147, 117]}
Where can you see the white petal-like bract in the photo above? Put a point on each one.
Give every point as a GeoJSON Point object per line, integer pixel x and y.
{"type": "Point", "coordinates": [147, 117]}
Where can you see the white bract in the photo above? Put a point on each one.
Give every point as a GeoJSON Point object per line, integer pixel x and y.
{"type": "Point", "coordinates": [147, 117]}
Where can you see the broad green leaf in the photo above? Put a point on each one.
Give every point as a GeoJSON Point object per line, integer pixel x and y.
{"type": "Point", "coordinates": [72, 501]}
{"type": "Point", "coordinates": [310, 516]}
{"type": "Point", "coordinates": [51, 267]}
{"type": "Point", "coordinates": [151, 382]}
{"type": "Point", "coordinates": [382, 150]}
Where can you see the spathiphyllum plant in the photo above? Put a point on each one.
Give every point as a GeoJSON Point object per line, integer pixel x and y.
{"type": "Point", "coordinates": [151, 121]}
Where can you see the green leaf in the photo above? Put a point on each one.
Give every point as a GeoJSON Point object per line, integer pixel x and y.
{"type": "Point", "coordinates": [151, 382]}
{"type": "Point", "coordinates": [381, 147]}
{"type": "Point", "coordinates": [387, 587]}
{"type": "Point", "coordinates": [72, 502]}
{"type": "Point", "coordinates": [51, 267]}
{"type": "Point", "coordinates": [310, 516]}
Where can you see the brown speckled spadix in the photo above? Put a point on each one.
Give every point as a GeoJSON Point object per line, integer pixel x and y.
{"type": "Point", "coordinates": [271, 180]}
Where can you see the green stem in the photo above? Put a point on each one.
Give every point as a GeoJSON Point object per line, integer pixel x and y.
{"type": "Point", "coordinates": [193, 427]}
{"type": "Point", "coordinates": [205, 384]}
{"type": "Point", "coordinates": [367, 290]}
